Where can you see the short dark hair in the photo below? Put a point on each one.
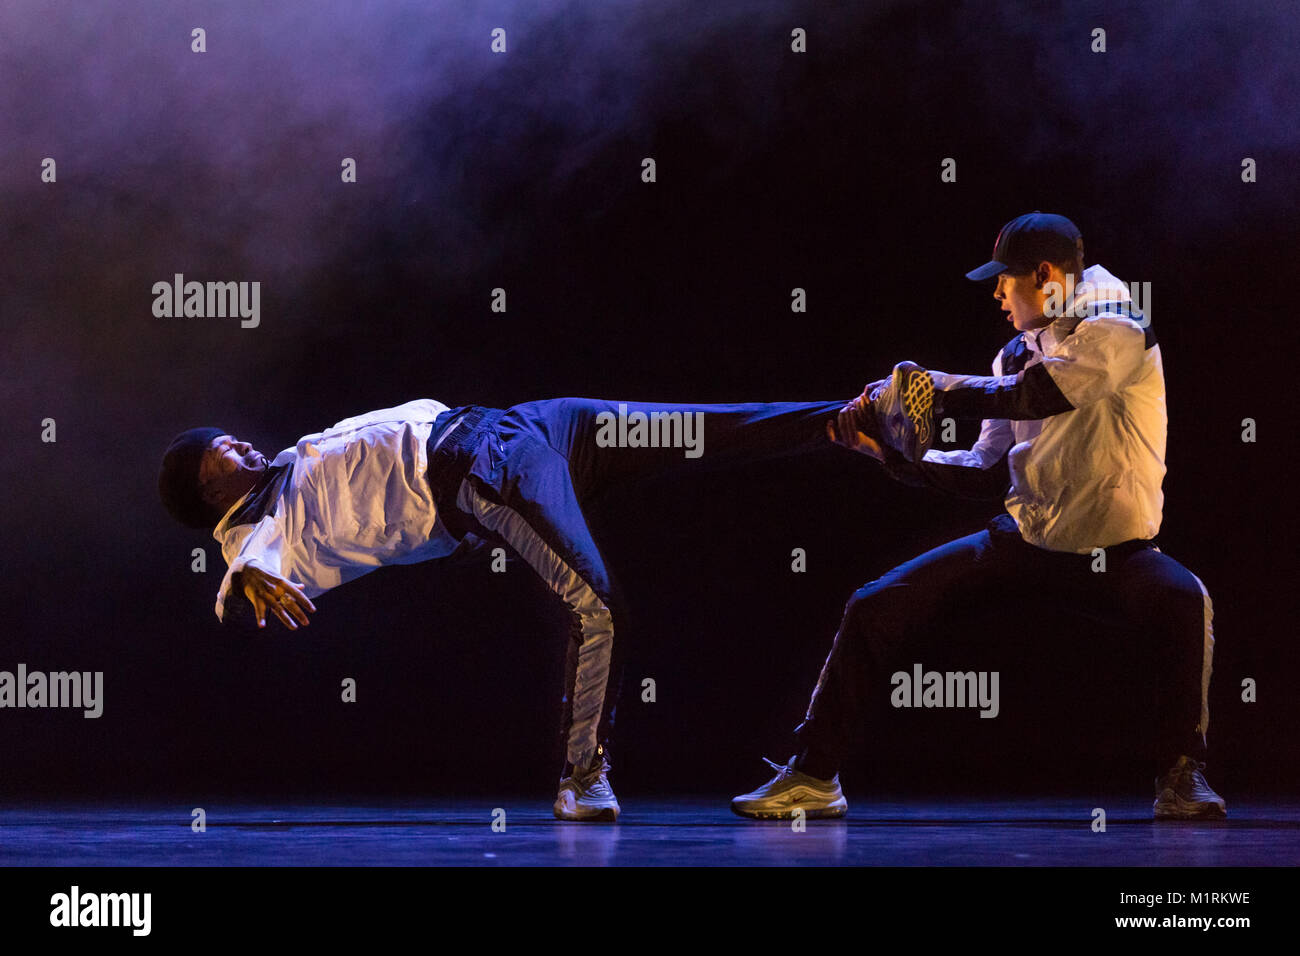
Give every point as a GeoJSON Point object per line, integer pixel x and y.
{"type": "Point", "coordinates": [1074, 264]}
{"type": "Point", "coordinates": [178, 479]}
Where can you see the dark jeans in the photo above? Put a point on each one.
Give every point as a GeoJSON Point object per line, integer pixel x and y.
{"type": "Point", "coordinates": [997, 566]}
{"type": "Point", "coordinates": [528, 477]}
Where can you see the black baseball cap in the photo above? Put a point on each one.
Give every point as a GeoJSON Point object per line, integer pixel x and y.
{"type": "Point", "coordinates": [1028, 240]}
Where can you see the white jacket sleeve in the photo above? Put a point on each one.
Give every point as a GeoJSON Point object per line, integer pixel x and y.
{"type": "Point", "coordinates": [994, 441]}
{"type": "Point", "coordinates": [262, 547]}
{"type": "Point", "coordinates": [1098, 359]}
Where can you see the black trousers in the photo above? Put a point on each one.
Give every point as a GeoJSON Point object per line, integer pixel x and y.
{"type": "Point", "coordinates": [1140, 585]}
{"type": "Point", "coordinates": [521, 477]}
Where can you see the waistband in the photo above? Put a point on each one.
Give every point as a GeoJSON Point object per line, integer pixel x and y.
{"type": "Point", "coordinates": [1006, 524]}
{"type": "Point", "coordinates": [451, 445]}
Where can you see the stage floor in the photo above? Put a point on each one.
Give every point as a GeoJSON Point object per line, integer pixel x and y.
{"type": "Point", "coordinates": [682, 831]}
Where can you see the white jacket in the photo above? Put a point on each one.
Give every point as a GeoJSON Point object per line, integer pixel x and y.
{"type": "Point", "coordinates": [356, 497]}
{"type": "Point", "coordinates": [1075, 414]}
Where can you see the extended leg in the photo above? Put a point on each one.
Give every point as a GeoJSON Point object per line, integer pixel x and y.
{"type": "Point", "coordinates": [879, 620]}
{"type": "Point", "coordinates": [608, 442]}
{"type": "Point", "coordinates": [519, 493]}
{"type": "Point", "coordinates": [884, 616]}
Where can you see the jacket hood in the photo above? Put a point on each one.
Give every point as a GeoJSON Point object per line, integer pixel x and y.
{"type": "Point", "coordinates": [1098, 285]}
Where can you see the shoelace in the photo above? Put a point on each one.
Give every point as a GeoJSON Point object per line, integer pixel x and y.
{"type": "Point", "coordinates": [782, 770]}
{"type": "Point", "coordinates": [1188, 771]}
{"type": "Point", "coordinates": [592, 781]}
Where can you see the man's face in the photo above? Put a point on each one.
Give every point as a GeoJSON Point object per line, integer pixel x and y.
{"type": "Point", "coordinates": [229, 468]}
{"type": "Point", "coordinates": [1022, 297]}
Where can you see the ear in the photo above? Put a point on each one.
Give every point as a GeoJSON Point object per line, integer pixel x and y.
{"type": "Point", "coordinates": [1042, 274]}
{"type": "Point", "coordinates": [208, 493]}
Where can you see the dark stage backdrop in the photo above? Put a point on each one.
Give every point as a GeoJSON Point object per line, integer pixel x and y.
{"type": "Point", "coordinates": [521, 170]}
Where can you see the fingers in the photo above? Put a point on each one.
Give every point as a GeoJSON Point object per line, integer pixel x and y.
{"type": "Point", "coordinates": [281, 614]}
{"type": "Point", "coordinates": [296, 603]}
{"type": "Point", "coordinates": [286, 610]}
{"type": "Point", "coordinates": [295, 610]}
{"type": "Point", "coordinates": [869, 446]}
{"type": "Point", "coordinates": [281, 611]}
{"type": "Point", "coordinates": [284, 599]}
{"type": "Point", "coordinates": [287, 603]}
{"type": "Point", "coordinates": [259, 609]}
{"type": "Point", "coordinates": [261, 606]}
{"type": "Point", "coordinates": [846, 426]}
{"type": "Point", "coordinates": [303, 600]}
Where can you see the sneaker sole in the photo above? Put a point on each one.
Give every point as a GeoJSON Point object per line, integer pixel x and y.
{"type": "Point", "coordinates": [1170, 806]}
{"type": "Point", "coordinates": [821, 813]}
{"type": "Point", "coordinates": [604, 815]}
{"type": "Point", "coordinates": [917, 394]}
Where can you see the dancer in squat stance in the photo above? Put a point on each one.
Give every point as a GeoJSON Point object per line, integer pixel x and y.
{"type": "Point", "coordinates": [1073, 441]}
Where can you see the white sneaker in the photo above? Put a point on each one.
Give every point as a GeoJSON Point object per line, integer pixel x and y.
{"type": "Point", "coordinates": [1184, 794]}
{"type": "Point", "coordinates": [792, 790]}
{"type": "Point", "coordinates": [587, 795]}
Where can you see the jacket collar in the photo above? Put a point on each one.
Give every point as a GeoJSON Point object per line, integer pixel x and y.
{"type": "Point", "coordinates": [1097, 290]}
{"type": "Point", "coordinates": [1050, 336]}
{"type": "Point", "coordinates": [258, 501]}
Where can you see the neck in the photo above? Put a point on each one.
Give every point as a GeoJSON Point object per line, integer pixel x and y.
{"type": "Point", "coordinates": [239, 486]}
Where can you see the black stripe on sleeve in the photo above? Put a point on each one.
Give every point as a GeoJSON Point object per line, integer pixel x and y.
{"type": "Point", "coordinates": [1029, 397]}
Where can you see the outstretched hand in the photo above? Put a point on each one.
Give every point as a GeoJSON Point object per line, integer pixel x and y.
{"type": "Point", "coordinates": [283, 598]}
{"type": "Point", "coordinates": [851, 437]}
{"type": "Point", "coordinates": [846, 430]}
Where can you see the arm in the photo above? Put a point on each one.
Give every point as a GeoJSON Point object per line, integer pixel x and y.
{"type": "Point", "coordinates": [980, 473]}
{"type": "Point", "coordinates": [253, 580]}
{"type": "Point", "coordinates": [1095, 361]}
